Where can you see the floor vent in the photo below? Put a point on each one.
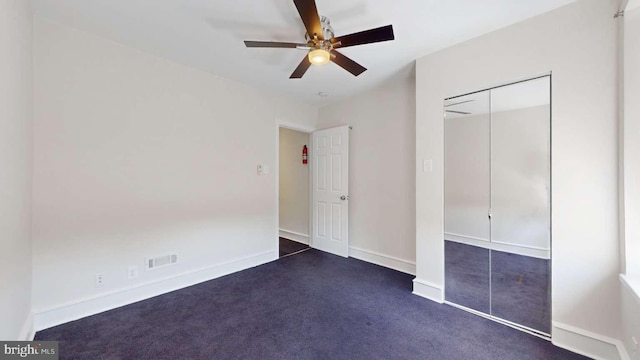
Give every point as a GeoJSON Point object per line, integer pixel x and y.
{"type": "Point", "coordinates": [156, 262]}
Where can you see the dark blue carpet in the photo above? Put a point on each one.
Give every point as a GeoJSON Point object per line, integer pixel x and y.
{"type": "Point", "coordinates": [311, 305]}
{"type": "Point", "coordinates": [289, 246]}
{"type": "Point", "coordinates": [520, 285]}
{"type": "Point", "coordinates": [466, 276]}
{"type": "Point", "coordinates": [520, 290]}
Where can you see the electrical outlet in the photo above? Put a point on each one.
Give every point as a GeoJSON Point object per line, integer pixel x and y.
{"type": "Point", "coordinates": [132, 272]}
{"type": "Point", "coordinates": [99, 280]}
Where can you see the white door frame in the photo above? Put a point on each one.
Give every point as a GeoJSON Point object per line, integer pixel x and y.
{"type": "Point", "coordinates": [304, 129]}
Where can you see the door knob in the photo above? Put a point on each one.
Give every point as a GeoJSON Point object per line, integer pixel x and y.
{"type": "Point", "coordinates": [343, 197]}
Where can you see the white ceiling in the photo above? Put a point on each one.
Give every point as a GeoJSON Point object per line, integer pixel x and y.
{"type": "Point", "coordinates": [209, 34]}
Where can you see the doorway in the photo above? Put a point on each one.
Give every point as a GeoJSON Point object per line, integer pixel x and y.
{"type": "Point", "coordinates": [293, 192]}
{"type": "Point", "coordinates": [325, 190]}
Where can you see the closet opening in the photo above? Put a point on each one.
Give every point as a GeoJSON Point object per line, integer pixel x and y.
{"type": "Point", "coordinates": [497, 204]}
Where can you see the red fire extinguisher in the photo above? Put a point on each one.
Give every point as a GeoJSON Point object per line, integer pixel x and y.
{"type": "Point", "coordinates": [304, 154]}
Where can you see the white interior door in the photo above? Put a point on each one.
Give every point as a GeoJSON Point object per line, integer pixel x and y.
{"type": "Point", "coordinates": [330, 190]}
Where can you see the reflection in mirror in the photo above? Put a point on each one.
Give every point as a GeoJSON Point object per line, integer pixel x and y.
{"type": "Point", "coordinates": [520, 206]}
{"type": "Point", "coordinates": [467, 137]}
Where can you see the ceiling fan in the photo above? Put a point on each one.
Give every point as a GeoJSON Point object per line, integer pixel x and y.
{"type": "Point", "coordinates": [321, 42]}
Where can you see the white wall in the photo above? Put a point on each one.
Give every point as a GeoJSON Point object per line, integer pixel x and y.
{"type": "Point", "coordinates": [519, 174]}
{"type": "Point", "coordinates": [381, 185]}
{"type": "Point", "coordinates": [632, 139]}
{"type": "Point", "coordinates": [520, 178]}
{"type": "Point", "coordinates": [630, 310]}
{"type": "Point", "coordinates": [467, 168]}
{"type": "Point", "coordinates": [16, 88]}
{"type": "Point", "coordinates": [136, 156]}
{"type": "Point", "coordinates": [578, 44]}
{"type": "Point", "coordinates": [294, 184]}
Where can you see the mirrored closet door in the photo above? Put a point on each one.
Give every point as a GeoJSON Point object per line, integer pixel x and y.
{"type": "Point", "coordinates": [497, 203]}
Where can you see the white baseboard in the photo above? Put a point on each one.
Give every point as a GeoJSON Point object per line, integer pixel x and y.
{"type": "Point", "coordinates": [28, 331]}
{"type": "Point", "coordinates": [387, 261]}
{"type": "Point", "coordinates": [428, 290]}
{"type": "Point", "coordinates": [624, 355]}
{"type": "Point", "coordinates": [524, 250]}
{"type": "Point", "coordinates": [587, 343]}
{"type": "Point", "coordinates": [63, 313]}
{"type": "Point", "coordinates": [292, 235]}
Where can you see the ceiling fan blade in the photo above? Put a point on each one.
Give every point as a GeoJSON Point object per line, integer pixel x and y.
{"type": "Point", "coordinates": [458, 112]}
{"type": "Point", "coordinates": [309, 15]}
{"type": "Point", "coordinates": [301, 69]}
{"type": "Point", "coordinates": [347, 64]}
{"type": "Point", "coordinates": [383, 33]}
{"type": "Point", "coordinates": [271, 44]}
{"type": "Point", "coordinates": [458, 103]}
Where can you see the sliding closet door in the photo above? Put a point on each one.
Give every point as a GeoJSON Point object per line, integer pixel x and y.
{"type": "Point", "coordinates": [467, 186]}
{"type": "Point", "coordinates": [520, 204]}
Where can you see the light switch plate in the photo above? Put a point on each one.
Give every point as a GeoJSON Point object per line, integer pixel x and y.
{"type": "Point", "coordinates": [262, 169]}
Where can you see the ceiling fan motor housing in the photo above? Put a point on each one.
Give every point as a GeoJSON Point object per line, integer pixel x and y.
{"type": "Point", "coordinates": [327, 34]}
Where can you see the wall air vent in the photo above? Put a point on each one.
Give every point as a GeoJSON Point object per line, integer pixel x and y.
{"type": "Point", "coordinates": [160, 261]}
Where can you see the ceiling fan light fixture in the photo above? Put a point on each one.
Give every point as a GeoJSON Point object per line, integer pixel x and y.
{"type": "Point", "coordinates": [319, 56]}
